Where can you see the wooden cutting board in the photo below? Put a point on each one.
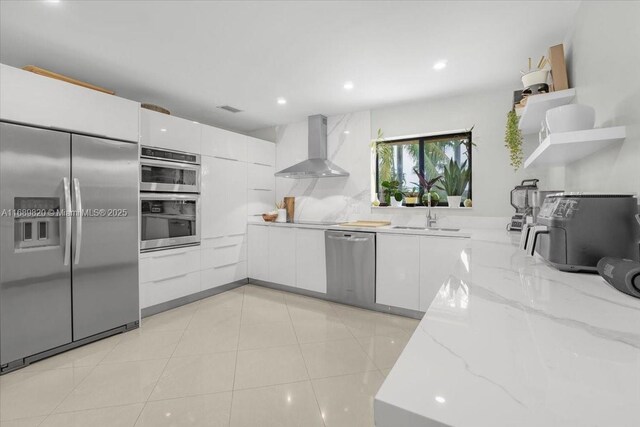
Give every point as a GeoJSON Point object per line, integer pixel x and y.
{"type": "Point", "coordinates": [365, 224]}
{"type": "Point", "coordinates": [51, 74]}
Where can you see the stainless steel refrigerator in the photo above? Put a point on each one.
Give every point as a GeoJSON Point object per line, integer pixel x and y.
{"type": "Point", "coordinates": [65, 279]}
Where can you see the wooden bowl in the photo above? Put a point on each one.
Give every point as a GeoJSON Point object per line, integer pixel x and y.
{"type": "Point", "coordinates": [156, 108]}
{"type": "Point", "coordinates": [269, 217]}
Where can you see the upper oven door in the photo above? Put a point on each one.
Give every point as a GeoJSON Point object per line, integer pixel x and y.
{"type": "Point", "coordinates": [167, 176]}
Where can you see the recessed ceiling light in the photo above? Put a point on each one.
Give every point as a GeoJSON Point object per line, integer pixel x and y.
{"type": "Point", "coordinates": [440, 65]}
{"type": "Point", "coordinates": [440, 399]}
{"type": "Point", "coordinates": [163, 130]}
{"type": "Point", "coordinates": [282, 101]}
{"type": "Point", "coordinates": [348, 85]}
{"type": "Point", "coordinates": [52, 1]}
{"type": "Point", "coordinates": [346, 132]}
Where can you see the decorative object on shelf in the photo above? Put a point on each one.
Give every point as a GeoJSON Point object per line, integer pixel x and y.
{"type": "Point", "coordinates": [454, 182]}
{"type": "Point", "coordinates": [282, 212]}
{"type": "Point", "coordinates": [411, 197]}
{"type": "Point", "coordinates": [513, 140]}
{"type": "Point", "coordinates": [570, 118]}
{"type": "Point", "coordinates": [156, 108]}
{"type": "Point", "coordinates": [536, 107]}
{"type": "Point", "coordinates": [269, 217]}
{"type": "Point", "coordinates": [468, 203]}
{"type": "Point", "coordinates": [392, 194]}
{"type": "Point", "coordinates": [544, 132]}
{"type": "Point", "coordinates": [558, 68]}
{"type": "Point", "coordinates": [376, 201]}
{"type": "Point", "coordinates": [431, 199]}
{"type": "Point", "coordinates": [427, 185]}
{"type": "Point", "coordinates": [51, 74]}
{"type": "Point", "coordinates": [290, 207]}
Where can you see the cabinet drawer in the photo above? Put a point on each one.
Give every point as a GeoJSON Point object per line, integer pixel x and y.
{"type": "Point", "coordinates": [168, 289]}
{"type": "Point", "coordinates": [162, 264]}
{"type": "Point", "coordinates": [261, 177]}
{"type": "Point", "coordinates": [214, 277]}
{"type": "Point", "coordinates": [223, 251]}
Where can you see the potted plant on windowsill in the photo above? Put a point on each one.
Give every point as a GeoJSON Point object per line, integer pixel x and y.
{"type": "Point", "coordinates": [411, 197]}
{"type": "Point", "coordinates": [430, 197]}
{"type": "Point", "coordinates": [454, 182]}
{"type": "Point", "coordinates": [392, 194]}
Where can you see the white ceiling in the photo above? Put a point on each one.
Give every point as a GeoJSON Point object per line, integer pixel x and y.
{"type": "Point", "coordinates": [192, 56]}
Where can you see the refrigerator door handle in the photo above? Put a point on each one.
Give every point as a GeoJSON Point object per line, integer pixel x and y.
{"type": "Point", "coordinates": [67, 220]}
{"type": "Point", "coordinates": [78, 213]}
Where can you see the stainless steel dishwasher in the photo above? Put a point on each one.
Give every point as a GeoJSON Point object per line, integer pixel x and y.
{"type": "Point", "coordinates": [351, 267]}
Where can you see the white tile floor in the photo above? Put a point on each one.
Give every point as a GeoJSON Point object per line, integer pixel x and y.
{"type": "Point", "coordinates": [248, 357]}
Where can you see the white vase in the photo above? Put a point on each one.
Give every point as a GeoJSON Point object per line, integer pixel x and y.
{"type": "Point", "coordinates": [570, 118]}
{"type": "Point", "coordinates": [282, 215]}
{"type": "Point", "coordinates": [395, 203]}
{"type": "Point", "coordinates": [454, 201]}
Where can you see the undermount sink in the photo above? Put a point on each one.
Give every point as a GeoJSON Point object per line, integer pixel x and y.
{"type": "Point", "coordinates": [402, 227]}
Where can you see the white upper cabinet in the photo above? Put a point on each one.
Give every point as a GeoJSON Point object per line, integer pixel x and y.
{"type": "Point", "coordinates": [282, 255]}
{"type": "Point", "coordinates": [32, 99]}
{"type": "Point", "coordinates": [439, 258]}
{"type": "Point", "coordinates": [261, 177]}
{"type": "Point", "coordinates": [261, 152]}
{"type": "Point", "coordinates": [223, 144]}
{"type": "Point", "coordinates": [311, 270]}
{"type": "Point", "coordinates": [165, 131]}
{"type": "Point", "coordinates": [223, 197]}
{"type": "Point", "coordinates": [398, 270]}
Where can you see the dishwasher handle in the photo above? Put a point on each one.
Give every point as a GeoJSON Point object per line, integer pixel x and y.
{"type": "Point", "coordinates": [349, 238]}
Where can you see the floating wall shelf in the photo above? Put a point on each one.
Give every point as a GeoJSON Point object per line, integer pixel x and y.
{"type": "Point", "coordinates": [566, 147]}
{"type": "Point", "coordinates": [534, 111]}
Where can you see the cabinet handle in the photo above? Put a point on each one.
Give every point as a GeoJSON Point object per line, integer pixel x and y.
{"type": "Point", "coordinates": [226, 158]}
{"type": "Point", "coordinates": [261, 189]}
{"type": "Point", "coordinates": [170, 278]}
{"type": "Point", "coordinates": [226, 246]}
{"type": "Point", "coordinates": [168, 255]}
{"type": "Point", "coordinates": [262, 164]}
{"type": "Point", "coordinates": [227, 265]}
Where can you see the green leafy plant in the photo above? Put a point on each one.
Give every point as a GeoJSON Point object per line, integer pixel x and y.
{"type": "Point", "coordinates": [391, 189]}
{"type": "Point", "coordinates": [513, 140]}
{"type": "Point", "coordinates": [412, 192]}
{"type": "Point", "coordinates": [455, 178]}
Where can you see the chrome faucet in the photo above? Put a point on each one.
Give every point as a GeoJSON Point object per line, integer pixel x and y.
{"type": "Point", "coordinates": [431, 220]}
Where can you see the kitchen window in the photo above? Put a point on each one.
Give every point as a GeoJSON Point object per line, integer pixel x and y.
{"type": "Point", "coordinates": [397, 160]}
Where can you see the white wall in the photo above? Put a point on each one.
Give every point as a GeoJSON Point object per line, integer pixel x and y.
{"type": "Point", "coordinates": [493, 177]}
{"type": "Point", "coordinates": [603, 54]}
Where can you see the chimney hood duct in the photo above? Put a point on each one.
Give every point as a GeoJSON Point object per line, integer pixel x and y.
{"type": "Point", "coordinates": [317, 166]}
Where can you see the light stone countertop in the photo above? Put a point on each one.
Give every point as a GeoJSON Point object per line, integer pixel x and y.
{"type": "Point", "coordinates": [511, 341]}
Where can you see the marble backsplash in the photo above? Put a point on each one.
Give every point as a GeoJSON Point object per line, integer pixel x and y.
{"type": "Point", "coordinates": [328, 199]}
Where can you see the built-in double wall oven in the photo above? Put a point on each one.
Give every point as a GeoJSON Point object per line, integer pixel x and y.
{"type": "Point", "coordinates": [169, 199]}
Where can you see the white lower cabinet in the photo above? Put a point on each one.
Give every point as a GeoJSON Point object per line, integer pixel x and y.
{"type": "Point", "coordinates": [311, 270]}
{"type": "Point", "coordinates": [258, 248]}
{"type": "Point", "coordinates": [222, 275]}
{"type": "Point", "coordinates": [439, 258]}
{"type": "Point", "coordinates": [282, 255]}
{"type": "Point", "coordinates": [167, 275]}
{"type": "Point", "coordinates": [397, 270]}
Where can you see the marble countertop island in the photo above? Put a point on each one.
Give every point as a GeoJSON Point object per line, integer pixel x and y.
{"type": "Point", "coordinates": [510, 341]}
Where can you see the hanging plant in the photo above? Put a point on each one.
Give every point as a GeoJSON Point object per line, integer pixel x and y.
{"type": "Point", "coordinates": [513, 140]}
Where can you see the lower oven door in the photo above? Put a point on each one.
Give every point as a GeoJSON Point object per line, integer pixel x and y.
{"type": "Point", "coordinates": [168, 220]}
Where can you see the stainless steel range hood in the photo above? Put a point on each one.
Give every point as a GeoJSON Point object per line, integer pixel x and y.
{"type": "Point", "coordinates": [317, 166]}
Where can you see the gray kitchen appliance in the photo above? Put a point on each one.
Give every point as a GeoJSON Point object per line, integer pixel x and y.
{"type": "Point", "coordinates": [169, 170]}
{"type": "Point", "coordinates": [317, 165]}
{"type": "Point", "coordinates": [351, 267]}
{"type": "Point", "coordinates": [68, 241]}
{"type": "Point", "coordinates": [169, 220]}
{"type": "Point", "coordinates": [521, 199]}
{"type": "Point", "coordinates": [622, 274]}
{"type": "Point", "coordinates": [575, 230]}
